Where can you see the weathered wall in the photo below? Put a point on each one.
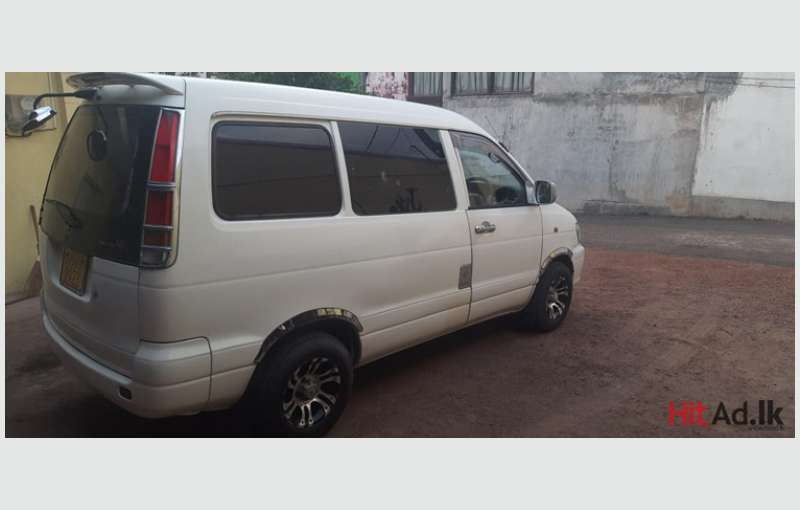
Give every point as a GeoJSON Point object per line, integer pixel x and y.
{"type": "Point", "coordinates": [704, 144]}
{"type": "Point", "coordinates": [745, 163]}
{"type": "Point", "coordinates": [611, 142]}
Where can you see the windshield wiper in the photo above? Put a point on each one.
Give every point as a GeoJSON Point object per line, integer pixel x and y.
{"type": "Point", "coordinates": [66, 212]}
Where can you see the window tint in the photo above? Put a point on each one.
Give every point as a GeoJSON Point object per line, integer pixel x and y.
{"type": "Point", "coordinates": [394, 169]}
{"type": "Point", "coordinates": [274, 171]}
{"type": "Point", "coordinates": [94, 202]}
{"type": "Point", "coordinates": [491, 181]}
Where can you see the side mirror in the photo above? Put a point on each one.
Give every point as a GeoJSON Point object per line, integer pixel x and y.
{"type": "Point", "coordinates": [544, 192]}
{"type": "Point", "coordinates": [37, 118]}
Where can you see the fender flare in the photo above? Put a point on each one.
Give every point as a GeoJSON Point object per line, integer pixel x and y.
{"type": "Point", "coordinates": [307, 319]}
{"type": "Point", "coordinates": [558, 252]}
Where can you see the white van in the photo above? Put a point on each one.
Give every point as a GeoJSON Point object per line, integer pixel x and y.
{"type": "Point", "coordinates": [205, 242]}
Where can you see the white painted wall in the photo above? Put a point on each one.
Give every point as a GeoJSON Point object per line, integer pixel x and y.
{"type": "Point", "coordinates": [747, 141]}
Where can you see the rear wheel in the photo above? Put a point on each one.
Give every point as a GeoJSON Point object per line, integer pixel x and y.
{"type": "Point", "coordinates": [551, 299]}
{"type": "Point", "coordinates": [302, 386]}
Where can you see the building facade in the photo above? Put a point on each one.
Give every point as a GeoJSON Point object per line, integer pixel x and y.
{"type": "Point", "coordinates": [682, 144]}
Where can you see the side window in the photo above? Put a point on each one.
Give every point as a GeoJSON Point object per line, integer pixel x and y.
{"type": "Point", "coordinates": [393, 169]}
{"type": "Point", "coordinates": [274, 171]}
{"type": "Point", "coordinates": [491, 181]}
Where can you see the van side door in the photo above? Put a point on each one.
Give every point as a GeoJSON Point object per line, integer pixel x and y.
{"type": "Point", "coordinates": [407, 230]}
{"type": "Point", "coordinates": [506, 231]}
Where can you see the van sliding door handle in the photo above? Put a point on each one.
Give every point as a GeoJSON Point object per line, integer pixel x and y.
{"type": "Point", "coordinates": [485, 227]}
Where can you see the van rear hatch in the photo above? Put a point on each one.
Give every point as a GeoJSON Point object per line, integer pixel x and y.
{"type": "Point", "coordinates": [91, 223]}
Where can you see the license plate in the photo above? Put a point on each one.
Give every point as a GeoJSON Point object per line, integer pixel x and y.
{"type": "Point", "coordinates": [73, 270]}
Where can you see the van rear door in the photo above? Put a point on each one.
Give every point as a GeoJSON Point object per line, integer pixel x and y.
{"type": "Point", "coordinates": [91, 224]}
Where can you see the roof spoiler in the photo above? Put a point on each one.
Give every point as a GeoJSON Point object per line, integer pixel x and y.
{"type": "Point", "coordinates": [85, 80]}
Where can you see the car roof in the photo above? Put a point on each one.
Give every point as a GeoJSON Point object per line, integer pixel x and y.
{"type": "Point", "coordinates": [324, 104]}
{"type": "Point", "coordinates": [278, 100]}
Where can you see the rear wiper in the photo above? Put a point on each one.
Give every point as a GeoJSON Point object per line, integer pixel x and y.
{"type": "Point", "coordinates": [66, 212]}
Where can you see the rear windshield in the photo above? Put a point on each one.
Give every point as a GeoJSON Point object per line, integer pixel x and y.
{"type": "Point", "coordinates": [94, 202]}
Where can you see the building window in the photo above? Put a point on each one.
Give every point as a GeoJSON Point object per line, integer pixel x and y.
{"type": "Point", "coordinates": [467, 84]}
{"type": "Point", "coordinates": [425, 88]}
{"type": "Point", "coordinates": [395, 170]}
{"type": "Point", "coordinates": [265, 171]}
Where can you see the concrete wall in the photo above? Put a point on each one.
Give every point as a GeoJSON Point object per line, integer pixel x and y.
{"type": "Point", "coordinates": [745, 163]}
{"type": "Point", "coordinates": [686, 144]}
{"type": "Point", "coordinates": [27, 165]}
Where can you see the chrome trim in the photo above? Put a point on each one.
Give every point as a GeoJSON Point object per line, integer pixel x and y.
{"type": "Point", "coordinates": [308, 318]}
{"type": "Point", "coordinates": [171, 251]}
{"type": "Point", "coordinates": [157, 248]}
{"type": "Point", "coordinates": [161, 186]}
{"type": "Point", "coordinates": [166, 228]}
{"type": "Point", "coordinates": [485, 228]}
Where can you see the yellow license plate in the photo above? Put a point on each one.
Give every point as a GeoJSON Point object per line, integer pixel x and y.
{"type": "Point", "coordinates": [73, 270]}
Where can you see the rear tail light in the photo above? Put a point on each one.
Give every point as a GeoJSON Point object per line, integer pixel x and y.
{"type": "Point", "coordinates": [158, 235]}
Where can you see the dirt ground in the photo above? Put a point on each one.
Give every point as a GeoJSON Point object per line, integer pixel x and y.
{"type": "Point", "coordinates": [668, 310]}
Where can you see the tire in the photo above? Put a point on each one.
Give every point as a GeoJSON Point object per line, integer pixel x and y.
{"type": "Point", "coordinates": [540, 314]}
{"type": "Point", "coordinates": [301, 387]}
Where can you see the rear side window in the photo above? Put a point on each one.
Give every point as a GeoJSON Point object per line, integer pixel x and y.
{"type": "Point", "coordinates": [265, 171]}
{"type": "Point", "coordinates": [393, 169]}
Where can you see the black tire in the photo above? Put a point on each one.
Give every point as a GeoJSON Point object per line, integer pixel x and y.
{"type": "Point", "coordinates": [284, 378]}
{"type": "Point", "coordinates": [538, 315]}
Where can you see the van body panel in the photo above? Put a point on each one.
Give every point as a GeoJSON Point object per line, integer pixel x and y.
{"type": "Point", "coordinates": [506, 237]}
{"type": "Point", "coordinates": [185, 338]}
{"type": "Point", "coordinates": [103, 322]}
{"type": "Point", "coordinates": [234, 97]}
{"type": "Point", "coordinates": [390, 340]}
{"type": "Point", "coordinates": [177, 362]}
{"type": "Point", "coordinates": [278, 275]}
{"type": "Point", "coordinates": [91, 223]}
{"type": "Point", "coordinates": [559, 235]}
{"type": "Point", "coordinates": [228, 387]}
{"type": "Point", "coordinates": [150, 401]}
{"type": "Point", "coordinates": [504, 261]}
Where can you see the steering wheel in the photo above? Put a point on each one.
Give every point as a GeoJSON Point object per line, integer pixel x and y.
{"type": "Point", "coordinates": [477, 181]}
{"type": "Point", "coordinates": [506, 195]}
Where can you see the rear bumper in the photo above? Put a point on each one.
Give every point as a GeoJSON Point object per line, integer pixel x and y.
{"type": "Point", "coordinates": [167, 379]}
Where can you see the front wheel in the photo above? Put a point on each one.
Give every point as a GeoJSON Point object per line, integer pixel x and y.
{"type": "Point", "coordinates": [302, 386]}
{"type": "Point", "coordinates": [551, 299]}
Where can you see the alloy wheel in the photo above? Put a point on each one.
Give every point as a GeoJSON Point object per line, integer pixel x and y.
{"type": "Point", "coordinates": [557, 298]}
{"type": "Point", "coordinates": [311, 392]}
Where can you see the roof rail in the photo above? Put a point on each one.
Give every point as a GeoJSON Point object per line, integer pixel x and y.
{"type": "Point", "coordinates": [84, 80]}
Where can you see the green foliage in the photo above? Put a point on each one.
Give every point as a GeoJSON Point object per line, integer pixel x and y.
{"type": "Point", "coordinates": [343, 82]}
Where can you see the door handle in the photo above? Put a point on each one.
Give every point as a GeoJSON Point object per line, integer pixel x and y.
{"type": "Point", "coordinates": [485, 227]}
